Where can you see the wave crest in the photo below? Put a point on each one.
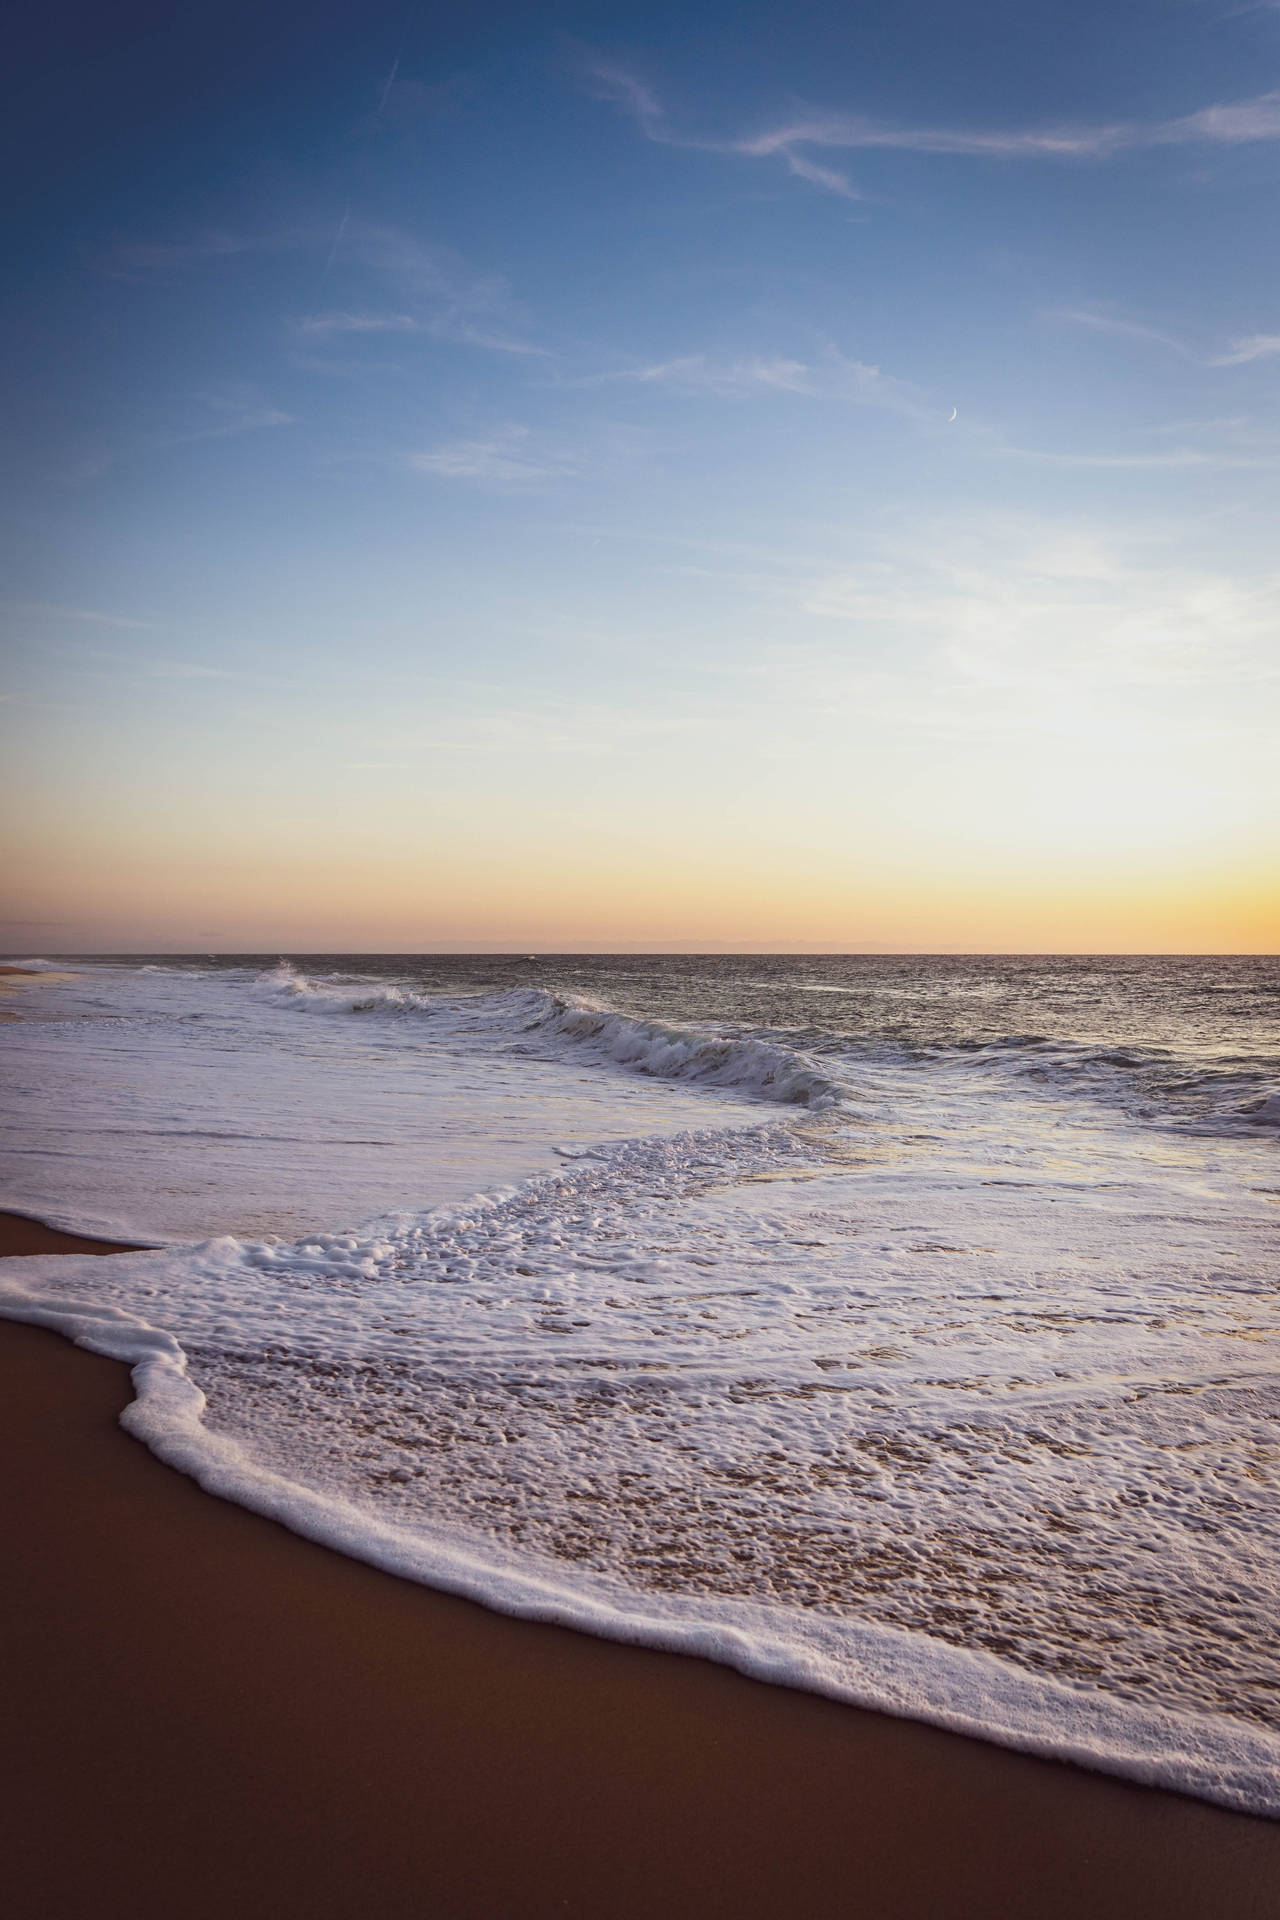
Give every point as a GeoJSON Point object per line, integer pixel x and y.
{"type": "Point", "coordinates": [760, 1069]}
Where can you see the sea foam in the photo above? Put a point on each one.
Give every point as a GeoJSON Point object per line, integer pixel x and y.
{"type": "Point", "coordinates": [953, 1396]}
{"type": "Point", "coordinates": [661, 1051]}
{"type": "Point", "coordinates": [853, 1658]}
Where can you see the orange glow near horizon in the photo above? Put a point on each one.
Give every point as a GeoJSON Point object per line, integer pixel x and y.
{"type": "Point", "coordinates": [343, 901]}
{"type": "Point", "coordinates": [980, 804]}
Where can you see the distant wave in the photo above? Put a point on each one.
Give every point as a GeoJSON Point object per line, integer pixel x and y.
{"type": "Point", "coordinates": [336, 995]}
{"type": "Point", "coordinates": [819, 1069]}
{"type": "Point", "coordinates": [760, 1069]}
{"type": "Point", "coordinates": [1223, 1094]}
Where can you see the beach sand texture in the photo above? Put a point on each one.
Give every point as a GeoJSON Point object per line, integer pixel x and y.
{"type": "Point", "coordinates": [206, 1715]}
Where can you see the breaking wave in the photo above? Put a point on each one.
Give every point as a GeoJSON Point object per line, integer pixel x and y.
{"type": "Point", "coordinates": [760, 1069]}
{"type": "Point", "coordinates": [817, 1067]}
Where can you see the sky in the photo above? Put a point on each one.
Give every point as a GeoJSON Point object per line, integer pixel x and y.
{"type": "Point", "coordinates": [608, 477]}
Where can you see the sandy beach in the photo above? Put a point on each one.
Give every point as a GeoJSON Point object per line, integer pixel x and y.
{"type": "Point", "coordinates": [206, 1714]}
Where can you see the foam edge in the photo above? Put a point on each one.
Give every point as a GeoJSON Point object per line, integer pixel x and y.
{"type": "Point", "coordinates": [877, 1668]}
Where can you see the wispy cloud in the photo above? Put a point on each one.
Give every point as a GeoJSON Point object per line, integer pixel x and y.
{"type": "Point", "coordinates": [703, 373]}
{"type": "Point", "coordinates": [1255, 346]}
{"type": "Point", "coordinates": [502, 461]}
{"type": "Point", "coordinates": [438, 293]}
{"type": "Point", "coordinates": [833, 376]}
{"type": "Point", "coordinates": [1098, 322]}
{"type": "Point", "coordinates": [47, 611]}
{"type": "Point", "coordinates": [203, 417]}
{"type": "Point", "coordinates": [187, 670]}
{"type": "Point", "coordinates": [1250, 347]}
{"type": "Point", "coordinates": [237, 419]}
{"type": "Point", "coordinates": [1165, 459]}
{"type": "Point", "coordinates": [829, 177]}
{"type": "Point", "coordinates": [1047, 626]}
{"type": "Point", "coordinates": [435, 291]}
{"type": "Point", "coordinates": [1234, 123]}
{"type": "Point", "coordinates": [605, 79]}
{"type": "Point", "coordinates": [140, 664]}
{"type": "Point", "coordinates": [143, 260]}
{"type": "Point", "coordinates": [327, 323]}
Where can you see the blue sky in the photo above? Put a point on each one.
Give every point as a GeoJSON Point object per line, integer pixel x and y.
{"type": "Point", "coordinates": [643, 476]}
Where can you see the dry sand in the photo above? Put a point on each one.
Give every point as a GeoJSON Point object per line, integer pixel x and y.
{"type": "Point", "coordinates": [207, 1716]}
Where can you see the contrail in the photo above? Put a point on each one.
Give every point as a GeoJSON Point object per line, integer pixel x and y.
{"type": "Point", "coordinates": [337, 242]}
{"type": "Point", "coordinates": [386, 91]}
{"type": "Point", "coordinates": [395, 64]}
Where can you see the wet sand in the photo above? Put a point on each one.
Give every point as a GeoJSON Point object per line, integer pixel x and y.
{"type": "Point", "coordinates": [14, 979]}
{"type": "Point", "coordinates": [204, 1715]}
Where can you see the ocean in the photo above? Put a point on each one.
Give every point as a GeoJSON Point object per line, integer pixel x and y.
{"type": "Point", "coordinates": [901, 1328]}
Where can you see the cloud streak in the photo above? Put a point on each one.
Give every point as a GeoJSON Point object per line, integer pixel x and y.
{"type": "Point", "coordinates": [1121, 329]}
{"type": "Point", "coordinates": [703, 373]}
{"type": "Point", "coordinates": [242, 420]}
{"type": "Point", "coordinates": [329, 323]}
{"type": "Point", "coordinates": [1256, 346]}
{"type": "Point", "coordinates": [144, 260]}
{"type": "Point", "coordinates": [1245, 350]}
{"type": "Point", "coordinates": [1167, 460]}
{"type": "Point", "coordinates": [1053, 630]}
{"type": "Point", "coordinates": [1235, 123]}
{"type": "Point", "coordinates": [188, 670]}
{"type": "Point", "coordinates": [438, 294]}
{"type": "Point", "coordinates": [502, 461]}
{"type": "Point", "coordinates": [48, 611]}
{"type": "Point", "coordinates": [606, 80]}
{"type": "Point", "coordinates": [435, 292]}
{"type": "Point", "coordinates": [835, 376]}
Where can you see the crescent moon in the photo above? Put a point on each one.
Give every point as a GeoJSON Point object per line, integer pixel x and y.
{"type": "Point", "coordinates": [952, 415]}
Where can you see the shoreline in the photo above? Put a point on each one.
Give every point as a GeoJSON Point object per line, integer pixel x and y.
{"type": "Point", "coordinates": [208, 1711]}
{"type": "Point", "coordinates": [14, 979]}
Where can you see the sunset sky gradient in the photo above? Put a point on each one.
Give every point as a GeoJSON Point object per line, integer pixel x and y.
{"type": "Point", "coordinates": [611, 477]}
